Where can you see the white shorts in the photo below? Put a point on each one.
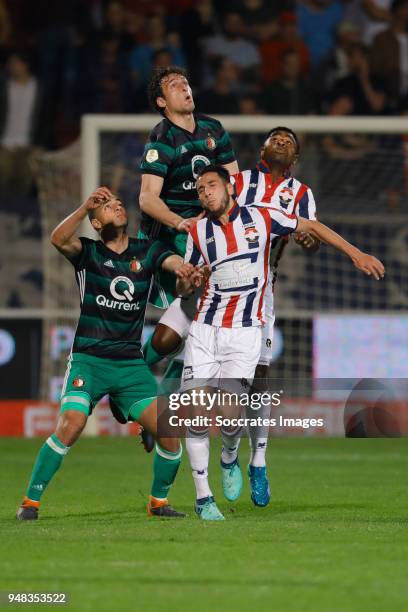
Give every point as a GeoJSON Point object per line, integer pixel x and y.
{"type": "Point", "coordinates": [215, 354]}
{"type": "Point", "coordinates": [267, 329]}
{"type": "Point", "coordinates": [179, 315]}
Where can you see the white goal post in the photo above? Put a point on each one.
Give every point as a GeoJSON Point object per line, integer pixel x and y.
{"type": "Point", "coordinates": [93, 125]}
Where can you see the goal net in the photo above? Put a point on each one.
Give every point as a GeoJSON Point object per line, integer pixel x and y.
{"type": "Point", "coordinates": [357, 169]}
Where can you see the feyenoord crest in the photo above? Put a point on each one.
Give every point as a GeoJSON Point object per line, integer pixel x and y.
{"type": "Point", "coordinates": [135, 265]}
{"type": "Point", "coordinates": [78, 382]}
{"type": "Point", "coordinates": [211, 142]}
{"type": "Point", "coordinates": [285, 197]}
{"type": "Point", "coordinates": [251, 234]}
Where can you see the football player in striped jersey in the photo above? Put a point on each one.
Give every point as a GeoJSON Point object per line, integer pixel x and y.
{"type": "Point", "coordinates": [271, 183]}
{"type": "Point", "coordinates": [224, 342]}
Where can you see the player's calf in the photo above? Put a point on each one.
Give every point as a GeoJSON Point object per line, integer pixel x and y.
{"type": "Point", "coordinates": [49, 460]}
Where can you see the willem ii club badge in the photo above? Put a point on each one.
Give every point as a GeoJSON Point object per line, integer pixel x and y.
{"type": "Point", "coordinates": [135, 265]}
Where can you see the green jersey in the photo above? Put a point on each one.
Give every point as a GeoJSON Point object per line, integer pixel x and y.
{"type": "Point", "coordinates": [177, 155]}
{"type": "Point", "coordinates": [114, 290]}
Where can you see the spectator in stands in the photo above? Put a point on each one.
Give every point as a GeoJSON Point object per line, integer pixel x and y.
{"type": "Point", "coordinates": [19, 116]}
{"type": "Point", "coordinates": [366, 94]}
{"type": "Point", "coordinates": [197, 24]}
{"type": "Point", "coordinates": [337, 65]}
{"type": "Point", "coordinates": [5, 25]}
{"type": "Point", "coordinates": [318, 22]}
{"type": "Point", "coordinates": [233, 45]}
{"type": "Point", "coordinates": [289, 95]}
{"type": "Point", "coordinates": [115, 26]}
{"type": "Point", "coordinates": [222, 97]}
{"type": "Point", "coordinates": [103, 84]}
{"type": "Point", "coordinates": [260, 18]}
{"type": "Point", "coordinates": [272, 50]}
{"type": "Point", "coordinates": [141, 57]}
{"type": "Point", "coordinates": [389, 53]}
{"type": "Point", "coordinates": [375, 17]}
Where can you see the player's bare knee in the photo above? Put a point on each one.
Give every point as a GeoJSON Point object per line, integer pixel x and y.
{"type": "Point", "coordinates": [70, 426]}
{"type": "Point", "coordinates": [165, 340]}
{"type": "Point", "coordinates": [169, 444]}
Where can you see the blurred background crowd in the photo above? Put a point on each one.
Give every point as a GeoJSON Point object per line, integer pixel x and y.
{"type": "Point", "coordinates": [61, 59]}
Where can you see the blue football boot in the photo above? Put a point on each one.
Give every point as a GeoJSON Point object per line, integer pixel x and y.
{"type": "Point", "coordinates": [260, 491]}
{"type": "Point", "coordinates": [231, 480]}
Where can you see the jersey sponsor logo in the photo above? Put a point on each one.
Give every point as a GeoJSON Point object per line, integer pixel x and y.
{"type": "Point", "coordinates": [135, 265]}
{"type": "Point", "coordinates": [211, 142]}
{"type": "Point", "coordinates": [197, 163]}
{"type": "Point", "coordinates": [285, 197]}
{"type": "Point", "coordinates": [122, 289]}
{"type": "Point", "coordinates": [109, 263]}
{"type": "Point", "coordinates": [152, 155]}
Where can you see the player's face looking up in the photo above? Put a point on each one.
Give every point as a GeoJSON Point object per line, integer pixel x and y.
{"type": "Point", "coordinates": [214, 193]}
{"type": "Point", "coordinates": [111, 212]}
{"type": "Point", "coordinates": [177, 95]}
{"type": "Point", "coordinates": [280, 149]}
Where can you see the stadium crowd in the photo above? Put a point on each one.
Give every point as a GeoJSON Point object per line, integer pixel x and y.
{"type": "Point", "coordinates": [59, 60]}
{"type": "Point", "coordinates": [338, 57]}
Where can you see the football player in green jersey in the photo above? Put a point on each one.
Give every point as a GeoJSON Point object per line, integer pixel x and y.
{"type": "Point", "coordinates": [114, 275]}
{"type": "Point", "coordinates": [178, 146]}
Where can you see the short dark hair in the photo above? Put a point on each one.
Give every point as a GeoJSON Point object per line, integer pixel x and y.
{"type": "Point", "coordinates": [154, 89]}
{"type": "Point", "coordinates": [281, 128]}
{"type": "Point", "coordinates": [220, 170]}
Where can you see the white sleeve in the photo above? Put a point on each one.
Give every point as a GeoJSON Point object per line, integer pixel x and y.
{"type": "Point", "coordinates": [282, 223]}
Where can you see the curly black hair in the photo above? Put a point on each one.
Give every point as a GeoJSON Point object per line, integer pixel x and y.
{"type": "Point", "coordinates": [154, 89]}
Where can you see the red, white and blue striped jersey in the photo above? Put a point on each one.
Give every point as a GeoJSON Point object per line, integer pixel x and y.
{"type": "Point", "coordinates": [294, 197]}
{"type": "Point", "coordinates": [238, 256]}
{"type": "Point", "coordinates": [288, 193]}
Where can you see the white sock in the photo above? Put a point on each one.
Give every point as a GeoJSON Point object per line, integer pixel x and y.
{"type": "Point", "coordinates": [258, 451]}
{"type": "Point", "coordinates": [258, 437]}
{"type": "Point", "coordinates": [198, 449]}
{"type": "Point", "coordinates": [230, 444]}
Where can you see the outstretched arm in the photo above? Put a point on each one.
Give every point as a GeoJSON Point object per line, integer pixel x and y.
{"type": "Point", "coordinates": [366, 263]}
{"type": "Point", "coordinates": [63, 237]}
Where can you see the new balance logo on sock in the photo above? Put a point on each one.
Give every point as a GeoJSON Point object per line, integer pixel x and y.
{"type": "Point", "coordinates": [109, 264]}
{"type": "Point", "coordinates": [39, 487]}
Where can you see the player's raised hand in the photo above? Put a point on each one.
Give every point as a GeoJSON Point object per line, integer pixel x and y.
{"type": "Point", "coordinates": [187, 224]}
{"type": "Point", "coordinates": [369, 264]}
{"type": "Point", "coordinates": [98, 197]}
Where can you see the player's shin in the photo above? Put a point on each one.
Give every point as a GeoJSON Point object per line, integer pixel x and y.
{"type": "Point", "coordinates": [258, 435]}
{"type": "Point", "coordinates": [230, 444]}
{"type": "Point", "coordinates": [198, 449]}
{"type": "Point", "coordinates": [165, 467]}
{"type": "Point", "coordinates": [48, 461]}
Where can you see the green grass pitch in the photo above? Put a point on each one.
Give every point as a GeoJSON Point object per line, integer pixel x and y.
{"type": "Point", "coordinates": [334, 537]}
